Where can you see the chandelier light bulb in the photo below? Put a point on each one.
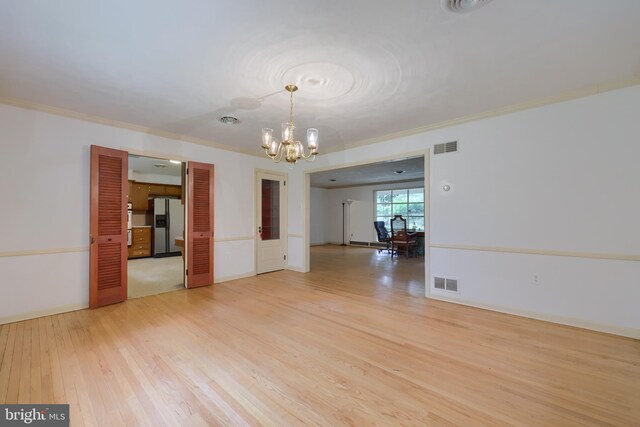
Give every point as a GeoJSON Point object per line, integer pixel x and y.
{"type": "Point", "coordinates": [267, 135]}
{"type": "Point", "coordinates": [312, 138]}
{"type": "Point", "coordinates": [273, 148]}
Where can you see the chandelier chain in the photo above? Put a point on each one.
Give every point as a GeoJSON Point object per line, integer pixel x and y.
{"type": "Point", "coordinates": [291, 110]}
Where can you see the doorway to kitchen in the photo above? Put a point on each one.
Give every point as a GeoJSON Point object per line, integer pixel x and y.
{"type": "Point", "coordinates": [156, 224]}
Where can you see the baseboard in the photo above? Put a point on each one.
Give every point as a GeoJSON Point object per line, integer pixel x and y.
{"type": "Point", "coordinates": [319, 244]}
{"type": "Point", "coordinates": [598, 327]}
{"type": "Point", "coordinates": [234, 277]}
{"type": "Point", "coordinates": [298, 269]}
{"type": "Point", "coordinates": [42, 313]}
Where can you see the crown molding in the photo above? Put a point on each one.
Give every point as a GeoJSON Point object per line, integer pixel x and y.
{"type": "Point", "coordinates": [123, 125]}
{"type": "Point", "coordinates": [565, 96]}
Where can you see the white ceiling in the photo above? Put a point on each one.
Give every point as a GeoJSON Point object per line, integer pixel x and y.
{"type": "Point", "coordinates": [373, 173]}
{"type": "Point", "coordinates": [148, 166]}
{"type": "Point", "coordinates": [366, 68]}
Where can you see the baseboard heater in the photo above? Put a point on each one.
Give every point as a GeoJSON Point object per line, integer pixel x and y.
{"type": "Point", "coordinates": [372, 244]}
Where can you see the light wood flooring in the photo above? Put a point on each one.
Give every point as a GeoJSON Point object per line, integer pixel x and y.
{"type": "Point", "coordinates": [351, 343]}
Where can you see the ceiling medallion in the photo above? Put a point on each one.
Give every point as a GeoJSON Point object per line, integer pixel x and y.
{"type": "Point", "coordinates": [462, 6]}
{"type": "Point", "coordinates": [289, 149]}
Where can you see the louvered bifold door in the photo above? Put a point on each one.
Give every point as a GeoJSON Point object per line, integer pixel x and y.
{"type": "Point", "coordinates": [108, 227]}
{"type": "Point", "coordinates": [200, 225]}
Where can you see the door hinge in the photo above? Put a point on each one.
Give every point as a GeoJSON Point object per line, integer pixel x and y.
{"type": "Point", "coordinates": [186, 272]}
{"type": "Point", "coordinates": [285, 183]}
{"type": "Point", "coordinates": [285, 257]}
{"type": "Point", "coordinates": [187, 171]}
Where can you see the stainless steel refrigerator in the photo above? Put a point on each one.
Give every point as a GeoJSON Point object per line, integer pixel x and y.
{"type": "Point", "coordinates": [168, 223]}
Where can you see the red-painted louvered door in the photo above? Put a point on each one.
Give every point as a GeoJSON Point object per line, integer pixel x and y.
{"type": "Point", "coordinates": [108, 227]}
{"type": "Point", "coordinates": [200, 225]}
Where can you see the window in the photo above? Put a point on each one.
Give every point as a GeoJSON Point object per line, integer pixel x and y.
{"type": "Point", "coordinates": [408, 202]}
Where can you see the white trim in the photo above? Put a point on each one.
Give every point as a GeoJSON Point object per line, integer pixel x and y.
{"type": "Point", "coordinates": [566, 96]}
{"type": "Point", "coordinates": [42, 313]}
{"type": "Point", "coordinates": [28, 105]}
{"type": "Point", "coordinates": [298, 236]}
{"type": "Point", "coordinates": [427, 221]}
{"type": "Point", "coordinates": [234, 277]}
{"type": "Point", "coordinates": [400, 156]}
{"type": "Point", "coordinates": [297, 269]}
{"type": "Point", "coordinates": [591, 255]}
{"type": "Point", "coordinates": [233, 239]}
{"type": "Point", "coordinates": [599, 327]}
{"type": "Point", "coordinates": [51, 251]}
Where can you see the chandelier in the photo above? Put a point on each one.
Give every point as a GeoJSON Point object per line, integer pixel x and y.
{"type": "Point", "coordinates": [289, 149]}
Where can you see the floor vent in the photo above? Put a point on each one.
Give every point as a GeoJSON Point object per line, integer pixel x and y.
{"type": "Point", "coordinates": [445, 147]}
{"type": "Point", "coordinates": [444, 284]}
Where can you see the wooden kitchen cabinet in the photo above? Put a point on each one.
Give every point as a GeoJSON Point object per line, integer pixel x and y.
{"type": "Point", "coordinates": [140, 196]}
{"type": "Point", "coordinates": [157, 190]}
{"type": "Point", "coordinates": [173, 190]}
{"type": "Point", "coordinates": [139, 193]}
{"type": "Point", "coordinates": [140, 242]}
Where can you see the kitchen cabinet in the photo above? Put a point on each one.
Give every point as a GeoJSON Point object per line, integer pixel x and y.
{"type": "Point", "coordinates": [157, 190]}
{"type": "Point", "coordinates": [140, 242]}
{"type": "Point", "coordinates": [173, 190]}
{"type": "Point", "coordinates": [140, 196]}
{"type": "Point", "coordinates": [139, 193]}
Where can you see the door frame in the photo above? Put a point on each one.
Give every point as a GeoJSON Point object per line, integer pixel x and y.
{"type": "Point", "coordinates": [184, 160]}
{"type": "Point", "coordinates": [284, 216]}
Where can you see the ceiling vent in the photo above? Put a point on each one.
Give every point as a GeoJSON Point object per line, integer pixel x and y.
{"type": "Point", "coordinates": [462, 6]}
{"type": "Point", "coordinates": [445, 147]}
{"type": "Point", "coordinates": [229, 120]}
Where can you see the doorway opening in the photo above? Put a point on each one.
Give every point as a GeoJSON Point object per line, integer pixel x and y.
{"type": "Point", "coordinates": [351, 207]}
{"type": "Point", "coordinates": [156, 224]}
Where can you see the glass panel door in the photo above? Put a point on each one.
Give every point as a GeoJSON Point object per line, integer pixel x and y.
{"type": "Point", "coordinates": [270, 209]}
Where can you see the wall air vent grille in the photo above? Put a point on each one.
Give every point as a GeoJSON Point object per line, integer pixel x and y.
{"type": "Point", "coordinates": [444, 284]}
{"type": "Point", "coordinates": [445, 147]}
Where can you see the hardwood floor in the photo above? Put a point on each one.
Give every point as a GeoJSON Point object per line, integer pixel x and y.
{"type": "Point", "coordinates": [351, 343]}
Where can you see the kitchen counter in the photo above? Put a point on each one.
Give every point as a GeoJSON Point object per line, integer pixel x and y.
{"type": "Point", "coordinates": [180, 244]}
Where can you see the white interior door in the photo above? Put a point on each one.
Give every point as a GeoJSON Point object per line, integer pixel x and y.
{"type": "Point", "coordinates": [271, 222]}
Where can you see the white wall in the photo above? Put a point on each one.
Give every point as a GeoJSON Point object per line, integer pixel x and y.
{"type": "Point", "coordinates": [361, 212]}
{"type": "Point", "coordinates": [318, 216]}
{"type": "Point", "coordinates": [562, 178]}
{"type": "Point", "coordinates": [44, 182]}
